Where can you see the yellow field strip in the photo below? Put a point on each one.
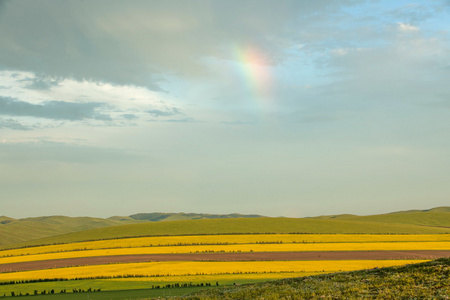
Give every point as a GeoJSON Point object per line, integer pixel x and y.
{"type": "Point", "coordinates": [229, 239]}
{"type": "Point", "coordinates": [235, 248]}
{"type": "Point", "coordinates": [185, 268]}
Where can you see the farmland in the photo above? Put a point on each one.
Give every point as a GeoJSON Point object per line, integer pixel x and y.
{"type": "Point", "coordinates": [191, 253]}
{"type": "Point", "coordinates": [430, 280]}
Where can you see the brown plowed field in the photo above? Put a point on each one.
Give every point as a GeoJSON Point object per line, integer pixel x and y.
{"type": "Point", "coordinates": [253, 256]}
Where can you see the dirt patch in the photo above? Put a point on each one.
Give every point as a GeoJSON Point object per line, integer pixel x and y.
{"type": "Point", "coordinates": [252, 256]}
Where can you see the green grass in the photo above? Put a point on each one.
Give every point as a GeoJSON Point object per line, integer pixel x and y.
{"type": "Point", "coordinates": [112, 295]}
{"type": "Point", "coordinates": [125, 284]}
{"type": "Point", "coordinates": [430, 280]}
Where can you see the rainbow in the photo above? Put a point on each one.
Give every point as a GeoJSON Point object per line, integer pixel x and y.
{"type": "Point", "coordinates": [254, 71]}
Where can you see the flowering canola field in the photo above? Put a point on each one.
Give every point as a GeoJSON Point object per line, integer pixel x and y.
{"type": "Point", "coordinates": [398, 246]}
{"type": "Point", "coordinates": [171, 241]}
{"type": "Point", "coordinates": [128, 274]}
{"type": "Point", "coordinates": [167, 269]}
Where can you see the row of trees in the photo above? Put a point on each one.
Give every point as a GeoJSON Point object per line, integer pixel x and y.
{"type": "Point", "coordinates": [63, 291]}
{"type": "Point", "coordinates": [52, 291]}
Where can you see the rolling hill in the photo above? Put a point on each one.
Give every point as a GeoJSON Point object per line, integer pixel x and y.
{"type": "Point", "coordinates": [60, 229]}
{"type": "Point", "coordinates": [13, 231]}
{"type": "Point", "coordinates": [435, 217]}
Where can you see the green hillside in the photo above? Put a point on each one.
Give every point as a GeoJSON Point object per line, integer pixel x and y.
{"type": "Point", "coordinates": [436, 217]}
{"type": "Point", "coordinates": [13, 231]}
{"type": "Point", "coordinates": [242, 225]}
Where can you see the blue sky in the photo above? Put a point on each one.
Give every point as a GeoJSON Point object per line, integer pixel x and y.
{"type": "Point", "coordinates": [293, 108]}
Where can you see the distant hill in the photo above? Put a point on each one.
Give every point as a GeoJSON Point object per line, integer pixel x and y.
{"type": "Point", "coordinates": [435, 217]}
{"type": "Point", "coordinates": [58, 229]}
{"type": "Point", "coordinates": [157, 217]}
{"type": "Point", "coordinates": [13, 231]}
{"type": "Point", "coordinates": [239, 226]}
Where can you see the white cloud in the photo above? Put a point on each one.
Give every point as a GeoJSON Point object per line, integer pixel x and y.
{"type": "Point", "coordinates": [118, 102]}
{"type": "Point", "coordinates": [403, 27]}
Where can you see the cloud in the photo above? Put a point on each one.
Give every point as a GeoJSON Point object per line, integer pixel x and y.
{"type": "Point", "coordinates": [414, 13]}
{"type": "Point", "coordinates": [57, 110]}
{"type": "Point", "coordinates": [40, 83]}
{"type": "Point", "coordinates": [168, 113]}
{"type": "Point", "coordinates": [13, 124]}
{"type": "Point", "coordinates": [142, 42]}
{"type": "Point", "coordinates": [182, 120]}
{"type": "Point", "coordinates": [130, 116]}
{"type": "Point", "coordinates": [407, 28]}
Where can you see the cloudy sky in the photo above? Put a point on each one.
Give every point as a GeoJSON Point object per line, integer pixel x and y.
{"type": "Point", "coordinates": [276, 107]}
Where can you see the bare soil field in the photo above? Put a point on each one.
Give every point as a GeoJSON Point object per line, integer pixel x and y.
{"type": "Point", "coordinates": [252, 256]}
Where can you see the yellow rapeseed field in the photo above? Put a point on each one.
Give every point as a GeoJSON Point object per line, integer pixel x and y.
{"type": "Point", "coordinates": [227, 239]}
{"type": "Point", "coordinates": [235, 248]}
{"type": "Point", "coordinates": [186, 268]}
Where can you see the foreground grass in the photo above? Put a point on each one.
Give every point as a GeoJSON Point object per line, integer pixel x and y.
{"type": "Point", "coordinates": [429, 280]}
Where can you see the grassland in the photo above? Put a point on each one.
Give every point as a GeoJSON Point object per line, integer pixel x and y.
{"type": "Point", "coordinates": [434, 219]}
{"type": "Point", "coordinates": [13, 231]}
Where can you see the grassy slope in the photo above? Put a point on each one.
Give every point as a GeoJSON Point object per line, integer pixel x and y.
{"type": "Point", "coordinates": [245, 225]}
{"type": "Point", "coordinates": [13, 231]}
{"type": "Point", "coordinates": [436, 217]}
{"type": "Point", "coordinates": [417, 218]}
{"type": "Point", "coordinates": [430, 280]}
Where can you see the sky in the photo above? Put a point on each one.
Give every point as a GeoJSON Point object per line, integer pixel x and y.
{"type": "Point", "coordinates": [275, 107]}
